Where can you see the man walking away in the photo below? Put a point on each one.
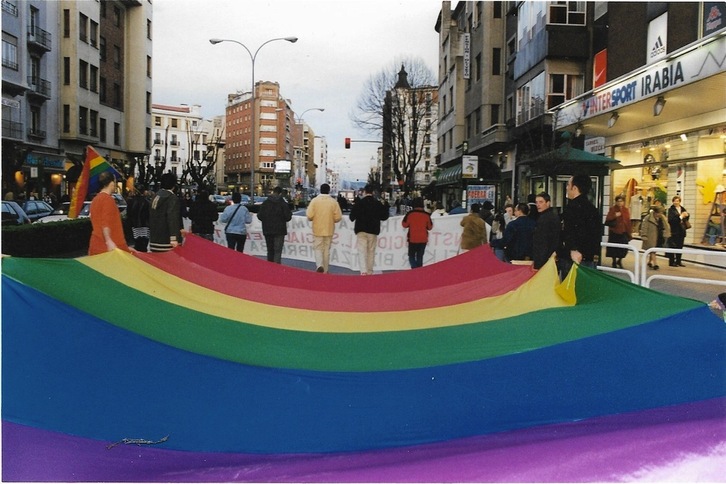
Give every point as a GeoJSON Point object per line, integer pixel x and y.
{"type": "Point", "coordinates": [165, 221]}
{"type": "Point", "coordinates": [418, 222]}
{"type": "Point", "coordinates": [324, 212]}
{"type": "Point", "coordinates": [274, 214]}
{"type": "Point", "coordinates": [367, 213]}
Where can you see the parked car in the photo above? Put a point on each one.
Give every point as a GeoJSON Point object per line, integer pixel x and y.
{"type": "Point", "coordinates": [61, 213]}
{"type": "Point", "coordinates": [36, 209]}
{"type": "Point", "coordinates": [13, 214]}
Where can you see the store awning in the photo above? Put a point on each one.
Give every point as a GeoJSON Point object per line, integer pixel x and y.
{"type": "Point", "coordinates": [449, 175]}
{"type": "Point", "coordinates": [571, 161]}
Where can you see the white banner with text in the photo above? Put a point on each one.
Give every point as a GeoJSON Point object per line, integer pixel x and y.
{"type": "Point", "coordinates": [391, 253]}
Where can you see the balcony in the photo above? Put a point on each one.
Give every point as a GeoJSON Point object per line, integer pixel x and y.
{"type": "Point", "coordinates": [174, 143]}
{"type": "Point", "coordinates": [10, 8]}
{"type": "Point", "coordinates": [12, 129]}
{"type": "Point", "coordinates": [36, 133]}
{"type": "Point", "coordinates": [39, 38]}
{"type": "Point", "coordinates": [495, 134]}
{"type": "Point", "coordinates": [158, 141]}
{"type": "Point", "coordinates": [39, 87]}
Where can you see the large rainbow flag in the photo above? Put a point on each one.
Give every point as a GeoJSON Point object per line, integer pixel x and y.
{"type": "Point", "coordinates": [203, 364]}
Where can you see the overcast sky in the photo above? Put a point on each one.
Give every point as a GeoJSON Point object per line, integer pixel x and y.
{"type": "Point", "coordinates": [341, 44]}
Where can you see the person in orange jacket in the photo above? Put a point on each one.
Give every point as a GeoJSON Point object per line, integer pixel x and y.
{"type": "Point", "coordinates": [418, 222]}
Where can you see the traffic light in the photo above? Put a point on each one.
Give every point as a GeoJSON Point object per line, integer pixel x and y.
{"type": "Point", "coordinates": [347, 143]}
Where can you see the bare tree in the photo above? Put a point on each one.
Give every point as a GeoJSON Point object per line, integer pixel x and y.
{"type": "Point", "coordinates": [396, 105]}
{"type": "Point", "coordinates": [200, 169]}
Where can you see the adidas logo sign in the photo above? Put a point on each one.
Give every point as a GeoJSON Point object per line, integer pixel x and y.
{"type": "Point", "coordinates": [658, 49]}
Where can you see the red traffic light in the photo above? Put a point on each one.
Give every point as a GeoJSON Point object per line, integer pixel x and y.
{"type": "Point", "coordinates": [347, 143]}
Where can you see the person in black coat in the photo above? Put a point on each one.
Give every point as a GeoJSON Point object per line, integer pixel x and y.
{"type": "Point", "coordinates": [518, 235]}
{"type": "Point", "coordinates": [274, 213]}
{"type": "Point", "coordinates": [678, 217]}
{"type": "Point", "coordinates": [367, 213]}
{"type": "Point", "coordinates": [203, 213]}
{"type": "Point", "coordinates": [581, 227]}
{"type": "Point", "coordinates": [546, 236]}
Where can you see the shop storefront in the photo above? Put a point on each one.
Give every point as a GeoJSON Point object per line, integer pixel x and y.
{"type": "Point", "coordinates": [665, 124]}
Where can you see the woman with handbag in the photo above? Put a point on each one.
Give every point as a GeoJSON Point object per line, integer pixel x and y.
{"type": "Point", "coordinates": [678, 219]}
{"type": "Point", "coordinates": [619, 230]}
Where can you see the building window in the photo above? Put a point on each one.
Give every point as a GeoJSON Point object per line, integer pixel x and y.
{"type": "Point", "coordinates": [102, 89]}
{"type": "Point", "coordinates": [567, 13]}
{"type": "Point", "coordinates": [148, 102]}
{"type": "Point", "coordinates": [103, 9]}
{"type": "Point", "coordinates": [157, 121]}
{"type": "Point", "coordinates": [10, 51]}
{"type": "Point", "coordinates": [83, 27]}
{"type": "Point", "coordinates": [67, 71]}
{"type": "Point", "coordinates": [531, 99]}
{"type": "Point", "coordinates": [117, 56]}
{"type": "Point", "coordinates": [102, 47]}
{"type": "Point", "coordinates": [174, 123]}
{"type": "Point", "coordinates": [66, 118]}
{"type": "Point", "coordinates": [496, 61]}
{"type": "Point", "coordinates": [66, 23]}
{"type": "Point", "coordinates": [468, 127]}
{"type": "Point", "coordinates": [148, 138]}
{"type": "Point", "coordinates": [563, 87]}
{"type": "Point", "coordinates": [93, 35]}
{"type": "Point", "coordinates": [116, 134]}
{"type": "Point", "coordinates": [83, 74]}
{"type": "Point", "coordinates": [117, 18]}
{"type": "Point", "coordinates": [477, 121]}
{"type": "Point", "coordinates": [495, 114]}
{"type": "Point", "coordinates": [83, 120]}
{"type": "Point", "coordinates": [148, 29]}
{"type": "Point", "coordinates": [148, 66]}
{"type": "Point", "coordinates": [35, 121]}
{"type": "Point", "coordinates": [102, 130]}
{"type": "Point", "coordinates": [116, 95]}
{"type": "Point", "coordinates": [93, 123]}
{"type": "Point", "coordinates": [94, 79]}
{"type": "Point", "coordinates": [477, 66]}
{"type": "Point", "coordinates": [497, 9]}
{"type": "Point", "coordinates": [531, 20]}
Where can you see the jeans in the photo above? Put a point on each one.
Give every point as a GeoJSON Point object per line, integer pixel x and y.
{"type": "Point", "coordinates": [416, 254]}
{"type": "Point", "coordinates": [236, 241]}
{"type": "Point", "coordinates": [367, 251]}
{"type": "Point", "coordinates": [321, 247]}
{"type": "Point", "coordinates": [274, 248]}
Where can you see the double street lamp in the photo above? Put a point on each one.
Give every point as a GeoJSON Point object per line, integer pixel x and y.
{"type": "Point", "coordinates": [253, 57]}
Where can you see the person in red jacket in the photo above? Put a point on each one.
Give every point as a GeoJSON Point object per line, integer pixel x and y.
{"type": "Point", "coordinates": [418, 222]}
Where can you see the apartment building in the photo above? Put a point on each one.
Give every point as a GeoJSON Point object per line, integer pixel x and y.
{"type": "Point", "coordinates": [179, 135]}
{"type": "Point", "coordinates": [75, 73]}
{"type": "Point", "coordinates": [410, 119]}
{"type": "Point", "coordinates": [31, 160]}
{"type": "Point", "coordinates": [472, 100]}
{"type": "Point", "coordinates": [273, 123]}
{"type": "Point", "coordinates": [321, 161]}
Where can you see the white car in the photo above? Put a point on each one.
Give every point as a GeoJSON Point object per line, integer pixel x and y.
{"type": "Point", "coordinates": [62, 213]}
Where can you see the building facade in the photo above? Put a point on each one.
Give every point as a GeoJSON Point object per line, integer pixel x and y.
{"type": "Point", "coordinates": [410, 120]}
{"type": "Point", "coordinates": [656, 102]}
{"type": "Point", "coordinates": [75, 73]}
{"type": "Point", "coordinates": [273, 123]}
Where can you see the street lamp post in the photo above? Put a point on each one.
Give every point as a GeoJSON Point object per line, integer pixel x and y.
{"type": "Point", "coordinates": [253, 57]}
